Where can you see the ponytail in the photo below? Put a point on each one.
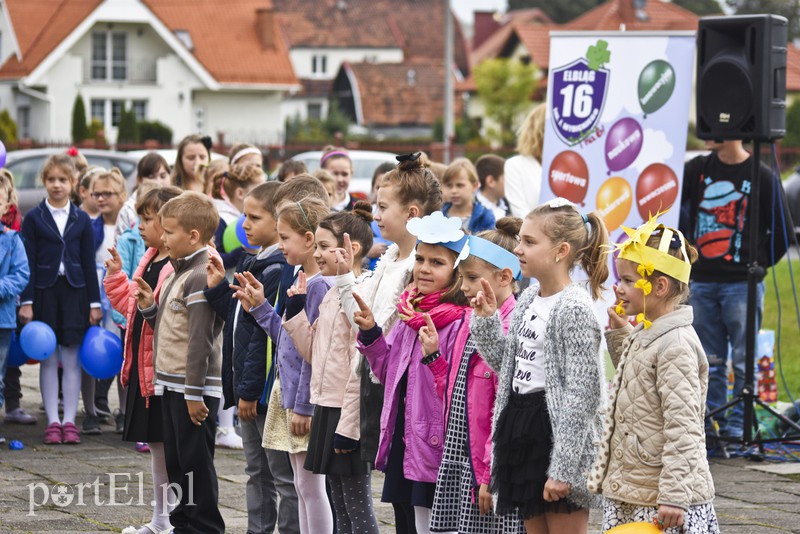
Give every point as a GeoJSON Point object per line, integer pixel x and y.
{"type": "Point", "coordinates": [593, 256]}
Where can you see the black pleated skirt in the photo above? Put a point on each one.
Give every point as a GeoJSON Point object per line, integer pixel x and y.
{"type": "Point", "coordinates": [65, 309]}
{"type": "Point", "coordinates": [321, 459]}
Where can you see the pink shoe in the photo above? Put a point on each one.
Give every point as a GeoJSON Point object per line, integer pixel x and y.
{"type": "Point", "coordinates": [142, 447]}
{"type": "Point", "coordinates": [52, 434]}
{"type": "Point", "coordinates": [70, 434]}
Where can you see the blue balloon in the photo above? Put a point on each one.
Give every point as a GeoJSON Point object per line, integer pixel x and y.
{"type": "Point", "coordinates": [240, 233]}
{"type": "Point", "coordinates": [38, 341]}
{"type": "Point", "coordinates": [16, 357]}
{"type": "Point", "coordinates": [101, 353]}
{"type": "Point", "coordinates": [3, 155]}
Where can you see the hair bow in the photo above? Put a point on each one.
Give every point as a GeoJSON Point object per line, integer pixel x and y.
{"type": "Point", "coordinates": [72, 152]}
{"type": "Point", "coordinates": [207, 142]}
{"type": "Point", "coordinates": [414, 156]}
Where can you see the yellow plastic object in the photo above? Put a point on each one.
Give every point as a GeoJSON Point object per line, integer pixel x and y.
{"type": "Point", "coordinates": [639, 527]}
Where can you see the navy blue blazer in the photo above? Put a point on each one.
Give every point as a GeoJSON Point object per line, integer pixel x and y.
{"type": "Point", "coordinates": [47, 249]}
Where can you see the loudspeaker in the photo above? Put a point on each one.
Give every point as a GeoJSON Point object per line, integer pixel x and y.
{"type": "Point", "coordinates": [741, 77]}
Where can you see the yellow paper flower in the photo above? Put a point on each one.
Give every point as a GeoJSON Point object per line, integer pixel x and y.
{"type": "Point", "coordinates": [644, 285]}
{"type": "Point", "coordinates": [620, 310]}
{"type": "Point", "coordinates": [645, 269]}
{"type": "Point", "coordinates": [641, 319]}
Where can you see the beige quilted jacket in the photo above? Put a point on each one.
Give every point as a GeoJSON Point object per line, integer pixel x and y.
{"type": "Point", "coordinates": [653, 449]}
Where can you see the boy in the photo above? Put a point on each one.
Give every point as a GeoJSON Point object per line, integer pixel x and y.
{"type": "Point", "coordinates": [491, 177]}
{"type": "Point", "coordinates": [459, 185]}
{"type": "Point", "coordinates": [245, 377]}
{"type": "Point", "coordinates": [186, 334]}
{"type": "Point", "coordinates": [14, 276]}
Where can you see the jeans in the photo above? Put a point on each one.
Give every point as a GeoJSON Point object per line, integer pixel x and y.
{"type": "Point", "coordinates": [5, 343]}
{"type": "Point", "coordinates": [270, 475]}
{"type": "Point", "coordinates": [720, 318]}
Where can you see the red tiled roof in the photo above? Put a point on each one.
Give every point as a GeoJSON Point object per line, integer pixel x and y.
{"type": "Point", "coordinates": [793, 69]}
{"type": "Point", "coordinates": [40, 26]}
{"type": "Point", "coordinates": [224, 36]}
{"type": "Point", "coordinates": [609, 15]}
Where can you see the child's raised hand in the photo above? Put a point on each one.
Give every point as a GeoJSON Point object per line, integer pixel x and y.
{"type": "Point", "coordinates": [616, 315]}
{"type": "Point", "coordinates": [143, 293]}
{"type": "Point", "coordinates": [300, 287]}
{"type": "Point", "coordinates": [250, 291]}
{"type": "Point", "coordinates": [363, 318]}
{"type": "Point", "coordinates": [344, 256]}
{"type": "Point", "coordinates": [215, 271]}
{"type": "Point", "coordinates": [485, 302]}
{"type": "Point", "coordinates": [429, 337]}
{"type": "Point", "coordinates": [114, 263]}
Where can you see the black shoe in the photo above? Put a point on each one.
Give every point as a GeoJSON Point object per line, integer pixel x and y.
{"type": "Point", "coordinates": [102, 409]}
{"type": "Point", "coordinates": [91, 425]}
{"type": "Point", "coordinates": [119, 420]}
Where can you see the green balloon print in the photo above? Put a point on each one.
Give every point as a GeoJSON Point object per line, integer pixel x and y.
{"type": "Point", "coordinates": [656, 84]}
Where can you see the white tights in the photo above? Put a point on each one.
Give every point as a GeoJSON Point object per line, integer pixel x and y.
{"type": "Point", "coordinates": [70, 384]}
{"type": "Point", "coordinates": [312, 500]}
{"type": "Point", "coordinates": [161, 510]}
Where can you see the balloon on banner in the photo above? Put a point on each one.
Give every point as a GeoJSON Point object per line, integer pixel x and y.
{"type": "Point", "coordinates": [3, 154]}
{"type": "Point", "coordinates": [614, 200]}
{"type": "Point", "coordinates": [101, 353]}
{"type": "Point", "coordinates": [656, 84]}
{"type": "Point", "coordinates": [240, 233]}
{"type": "Point", "coordinates": [38, 341]}
{"type": "Point", "coordinates": [16, 357]}
{"type": "Point", "coordinates": [623, 144]}
{"type": "Point", "coordinates": [656, 190]}
{"type": "Point", "coordinates": [639, 527]}
{"type": "Point", "coordinates": [569, 176]}
{"type": "Point", "coordinates": [230, 241]}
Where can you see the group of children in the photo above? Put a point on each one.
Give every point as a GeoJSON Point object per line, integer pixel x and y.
{"type": "Point", "coordinates": [485, 408]}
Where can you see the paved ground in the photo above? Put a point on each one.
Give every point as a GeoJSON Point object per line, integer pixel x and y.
{"type": "Point", "coordinates": [749, 500]}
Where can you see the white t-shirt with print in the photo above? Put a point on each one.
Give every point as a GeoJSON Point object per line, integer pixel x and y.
{"type": "Point", "coordinates": [529, 366]}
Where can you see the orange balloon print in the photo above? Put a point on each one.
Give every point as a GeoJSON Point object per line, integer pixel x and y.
{"type": "Point", "coordinates": [614, 201]}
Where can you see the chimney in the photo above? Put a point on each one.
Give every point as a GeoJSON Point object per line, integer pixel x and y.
{"type": "Point", "coordinates": [265, 26]}
{"type": "Point", "coordinates": [485, 24]}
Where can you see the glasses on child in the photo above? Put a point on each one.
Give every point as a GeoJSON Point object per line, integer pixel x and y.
{"type": "Point", "coordinates": [97, 195]}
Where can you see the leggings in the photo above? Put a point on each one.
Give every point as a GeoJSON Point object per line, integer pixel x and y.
{"type": "Point", "coordinates": [352, 500]}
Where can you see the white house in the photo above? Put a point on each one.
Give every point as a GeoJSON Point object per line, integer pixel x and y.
{"type": "Point", "coordinates": [195, 65]}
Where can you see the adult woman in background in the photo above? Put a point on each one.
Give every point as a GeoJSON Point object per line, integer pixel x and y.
{"type": "Point", "coordinates": [523, 172]}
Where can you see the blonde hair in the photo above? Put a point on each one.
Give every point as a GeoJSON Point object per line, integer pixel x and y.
{"type": "Point", "coordinates": [235, 177]}
{"type": "Point", "coordinates": [324, 177]}
{"type": "Point", "coordinates": [416, 184]}
{"type": "Point", "coordinates": [303, 215]}
{"type": "Point", "coordinates": [64, 162]}
{"type": "Point", "coordinates": [530, 136]}
{"type": "Point", "coordinates": [193, 211]}
{"type": "Point", "coordinates": [458, 166]}
{"type": "Point", "coordinates": [7, 178]}
{"type": "Point", "coordinates": [211, 174]}
{"type": "Point", "coordinates": [588, 247]}
{"type": "Point", "coordinates": [505, 235]}
{"type": "Point", "coordinates": [115, 178]}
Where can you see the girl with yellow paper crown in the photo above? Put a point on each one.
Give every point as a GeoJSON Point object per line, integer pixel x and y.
{"type": "Point", "coordinates": [652, 460]}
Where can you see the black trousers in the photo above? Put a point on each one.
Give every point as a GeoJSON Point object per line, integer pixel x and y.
{"type": "Point", "coordinates": [13, 391]}
{"type": "Point", "coordinates": [189, 454]}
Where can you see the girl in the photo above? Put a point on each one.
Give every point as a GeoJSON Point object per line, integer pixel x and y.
{"type": "Point", "coordinates": [547, 413]}
{"type": "Point", "coordinates": [245, 154]}
{"type": "Point", "coordinates": [84, 196]}
{"type": "Point", "coordinates": [227, 192]}
{"type": "Point", "coordinates": [652, 463]}
{"type": "Point", "coordinates": [289, 412]}
{"type": "Point", "coordinates": [143, 408]}
{"type": "Point", "coordinates": [62, 291]}
{"type": "Point", "coordinates": [468, 389]}
{"type": "Point", "coordinates": [460, 183]}
{"type": "Point", "coordinates": [327, 181]}
{"type": "Point", "coordinates": [152, 168]}
{"type": "Point", "coordinates": [12, 218]}
{"type": "Point", "coordinates": [412, 430]}
{"type": "Point", "coordinates": [406, 192]}
{"type": "Point", "coordinates": [193, 153]}
{"type": "Point", "coordinates": [329, 346]}
{"type": "Point", "coordinates": [338, 163]}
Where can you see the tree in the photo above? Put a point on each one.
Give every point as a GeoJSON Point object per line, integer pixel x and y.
{"type": "Point", "coordinates": [559, 10]}
{"type": "Point", "coordinates": [8, 128]}
{"type": "Point", "coordinates": [128, 132]}
{"type": "Point", "coordinates": [505, 86]}
{"type": "Point", "coordinates": [700, 7]}
{"type": "Point", "coordinates": [80, 130]}
{"type": "Point", "coordinates": [792, 120]}
{"type": "Point", "coordinates": [786, 8]}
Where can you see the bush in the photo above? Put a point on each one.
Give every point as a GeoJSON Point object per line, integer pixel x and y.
{"type": "Point", "coordinates": [8, 128]}
{"type": "Point", "coordinates": [97, 131]}
{"type": "Point", "coordinates": [80, 130]}
{"type": "Point", "coordinates": [156, 131]}
{"type": "Point", "coordinates": [128, 132]}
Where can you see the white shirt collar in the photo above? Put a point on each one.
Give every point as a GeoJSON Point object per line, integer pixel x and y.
{"type": "Point", "coordinates": [54, 209]}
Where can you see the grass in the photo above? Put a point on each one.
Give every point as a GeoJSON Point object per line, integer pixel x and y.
{"type": "Point", "coordinates": [790, 331]}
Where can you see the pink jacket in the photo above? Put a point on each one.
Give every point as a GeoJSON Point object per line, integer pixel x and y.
{"type": "Point", "coordinates": [120, 291]}
{"type": "Point", "coordinates": [391, 358]}
{"type": "Point", "coordinates": [481, 390]}
{"type": "Point", "coordinates": [329, 345]}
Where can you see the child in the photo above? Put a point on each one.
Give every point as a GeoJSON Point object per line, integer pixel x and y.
{"type": "Point", "coordinates": [12, 218]}
{"type": "Point", "coordinates": [289, 414]}
{"type": "Point", "coordinates": [652, 462]}
{"type": "Point", "coordinates": [246, 154]}
{"type": "Point", "coordinates": [62, 291]}
{"type": "Point", "coordinates": [245, 376]}
{"type": "Point", "coordinates": [14, 276]}
{"type": "Point", "coordinates": [291, 168]}
{"type": "Point", "coordinates": [547, 417]}
{"type": "Point", "coordinates": [462, 502]}
{"type": "Point", "coordinates": [84, 196]}
{"type": "Point", "coordinates": [379, 244]}
{"type": "Point", "coordinates": [193, 154]}
{"type": "Point", "coordinates": [338, 163]}
{"type": "Point", "coordinates": [144, 411]}
{"type": "Point", "coordinates": [81, 166]}
{"type": "Point", "coordinates": [327, 181]}
{"type": "Point", "coordinates": [152, 168]}
{"type": "Point", "coordinates": [227, 192]}
{"type": "Point", "coordinates": [186, 341]}
{"type": "Point", "coordinates": [460, 184]}
{"type": "Point", "coordinates": [492, 193]}
{"type": "Point", "coordinates": [412, 430]}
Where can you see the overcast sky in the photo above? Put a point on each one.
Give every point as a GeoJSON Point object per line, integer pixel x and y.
{"type": "Point", "coordinates": [464, 8]}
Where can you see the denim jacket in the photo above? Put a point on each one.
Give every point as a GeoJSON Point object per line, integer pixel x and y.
{"type": "Point", "coordinates": [14, 275]}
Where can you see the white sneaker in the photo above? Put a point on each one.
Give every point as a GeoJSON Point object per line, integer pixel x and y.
{"type": "Point", "coordinates": [227, 438]}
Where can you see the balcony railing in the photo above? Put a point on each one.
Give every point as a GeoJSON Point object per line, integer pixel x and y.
{"type": "Point", "coordinates": [133, 71]}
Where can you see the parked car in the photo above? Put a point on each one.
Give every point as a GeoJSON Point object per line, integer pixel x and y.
{"type": "Point", "coordinates": [364, 164]}
{"type": "Point", "coordinates": [26, 166]}
{"type": "Point", "coordinates": [792, 188]}
{"type": "Point", "coordinates": [169, 154]}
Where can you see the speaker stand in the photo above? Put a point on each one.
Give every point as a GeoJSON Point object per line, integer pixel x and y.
{"type": "Point", "coordinates": [748, 397]}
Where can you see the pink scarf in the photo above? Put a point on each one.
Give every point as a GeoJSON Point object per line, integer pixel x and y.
{"type": "Point", "coordinates": [413, 306]}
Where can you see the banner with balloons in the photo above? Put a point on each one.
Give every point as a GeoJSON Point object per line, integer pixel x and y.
{"type": "Point", "coordinates": [617, 120]}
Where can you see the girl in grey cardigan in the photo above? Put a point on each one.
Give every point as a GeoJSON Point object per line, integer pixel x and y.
{"type": "Point", "coordinates": [548, 411]}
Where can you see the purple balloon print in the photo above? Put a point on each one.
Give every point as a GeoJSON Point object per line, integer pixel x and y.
{"type": "Point", "coordinates": [623, 144]}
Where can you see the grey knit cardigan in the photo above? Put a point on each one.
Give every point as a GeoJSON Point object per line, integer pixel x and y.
{"type": "Point", "coordinates": [574, 386]}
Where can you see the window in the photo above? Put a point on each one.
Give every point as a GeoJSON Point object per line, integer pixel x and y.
{"type": "Point", "coordinates": [109, 111]}
{"type": "Point", "coordinates": [24, 121]}
{"type": "Point", "coordinates": [315, 111]}
{"type": "Point", "coordinates": [116, 111]}
{"type": "Point", "coordinates": [109, 56]}
{"type": "Point", "coordinates": [140, 109]}
{"type": "Point", "coordinates": [99, 110]}
{"type": "Point", "coordinates": [319, 64]}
